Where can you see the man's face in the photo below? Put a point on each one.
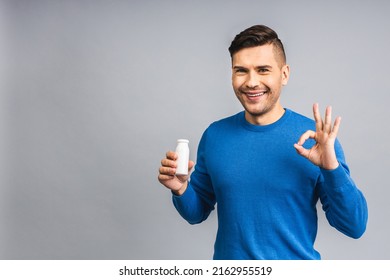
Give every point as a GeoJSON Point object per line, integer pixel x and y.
{"type": "Point", "coordinates": [258, 76]}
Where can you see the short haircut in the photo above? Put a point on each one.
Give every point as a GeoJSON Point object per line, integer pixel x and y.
{"type": "Point", "coordinates": [258, 35]}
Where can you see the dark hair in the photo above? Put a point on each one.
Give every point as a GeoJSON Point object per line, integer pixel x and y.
{"type": "Point", "coordinates": [257, 35]}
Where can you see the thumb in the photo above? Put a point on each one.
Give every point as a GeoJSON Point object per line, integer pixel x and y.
{"type": "Point", "coordinates": [183, 178]}
{"type": "Point", "coordinates": [190, 165]}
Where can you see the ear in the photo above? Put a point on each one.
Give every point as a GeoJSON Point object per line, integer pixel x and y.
{"type": "Point", "coordinates": [285, 74]}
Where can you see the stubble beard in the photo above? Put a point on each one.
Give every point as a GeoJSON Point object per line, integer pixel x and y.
{"type": "Point", "coordinates": [258, 109]}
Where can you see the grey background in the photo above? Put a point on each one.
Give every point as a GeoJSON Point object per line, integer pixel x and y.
{"type": "Point", "coordinates": [93, 93]}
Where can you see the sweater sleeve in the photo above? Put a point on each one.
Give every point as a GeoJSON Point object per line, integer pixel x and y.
{"type": "Point", "coordinates": [198, 200]}
{"type": "Point", "coordinates": [344, 204]}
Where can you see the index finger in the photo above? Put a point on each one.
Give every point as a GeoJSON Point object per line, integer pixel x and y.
{"type": "Point", "coordinates": [171, 155]}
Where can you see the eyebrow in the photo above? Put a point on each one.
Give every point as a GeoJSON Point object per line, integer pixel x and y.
{"type": "Point", "coordinates": [257, 67]}
{"type": "Point", "coordinates": [264, 67]}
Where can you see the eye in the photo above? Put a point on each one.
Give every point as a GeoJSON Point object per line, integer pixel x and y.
{"type": "Point", "coordinates": [240, 71]}
{"type": "Point", "coordinates": [263, 70]}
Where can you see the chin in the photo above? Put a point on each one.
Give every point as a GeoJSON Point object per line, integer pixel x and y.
{"type": "Point", "coordinates": [257, 112]}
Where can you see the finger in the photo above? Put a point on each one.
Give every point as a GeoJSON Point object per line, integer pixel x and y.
{"type": "Point", "coordinates": [168, 163]}
{"type": "Point", "coordinates": [302, 151]}
{"type": "Point", "coordinates": [308, 134]}
{"type": "Point", "coordinates": [317, 117]}
{"type": "Point", "coordinates": [336, 126]}
{"type": "Point", "coordinates": [328, 119]}
{"type": "Point", "coordinates": [163, 177]}
{"type": "Point", "coordinates": [167, 171]}
{"type": "Point", "coordinates": [171, 155]}
{"type": "Point", "coordinates": [190, 165]}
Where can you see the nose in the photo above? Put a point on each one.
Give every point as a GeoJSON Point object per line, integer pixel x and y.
{"type": "Point", "coordinates": [252, 80]}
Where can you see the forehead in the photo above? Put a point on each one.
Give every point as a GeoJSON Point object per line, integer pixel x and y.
{"type": "Point", "coordinates": [260, 55]}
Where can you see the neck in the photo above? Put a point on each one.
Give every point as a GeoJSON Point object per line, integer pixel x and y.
{"type": "Point", "coordinates": [265, 119]}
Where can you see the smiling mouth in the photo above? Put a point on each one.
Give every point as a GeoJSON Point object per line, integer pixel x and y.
{"type": "Point", "coordinates": [255, 94]}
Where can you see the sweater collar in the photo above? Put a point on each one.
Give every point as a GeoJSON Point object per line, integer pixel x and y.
{"type": "Point", "coordinates": [263, 128]}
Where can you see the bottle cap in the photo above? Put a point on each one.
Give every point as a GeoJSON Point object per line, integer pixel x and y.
{"type": "Point", "coordinates": [182, 141]}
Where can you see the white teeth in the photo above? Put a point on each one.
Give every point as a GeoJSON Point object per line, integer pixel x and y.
{"type": "Point", "coordinates": [255, 95]}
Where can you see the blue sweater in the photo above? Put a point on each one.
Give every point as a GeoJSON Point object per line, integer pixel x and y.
{"type": "Point", "coordinates": [266, 193]}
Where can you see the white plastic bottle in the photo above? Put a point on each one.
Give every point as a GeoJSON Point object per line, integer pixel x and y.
{"type": "Point", "coordinates": [183, 156]}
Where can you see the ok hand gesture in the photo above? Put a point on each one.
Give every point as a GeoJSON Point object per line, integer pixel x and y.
{"type": "Point", "coordinates": [322, 153]}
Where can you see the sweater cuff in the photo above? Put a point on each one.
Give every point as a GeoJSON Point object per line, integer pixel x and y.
{"type": "Point", "coordinates": [337, 178]}
{"type": "Point", "coordinates": [187, 194]}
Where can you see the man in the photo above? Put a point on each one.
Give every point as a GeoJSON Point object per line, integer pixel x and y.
{"type": "Point", "coordinates": [267, 167]}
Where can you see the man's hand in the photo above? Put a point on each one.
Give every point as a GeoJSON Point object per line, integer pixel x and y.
{"type": "Point", "coordinates": [322, 153]}
{"type": "Point", "coordinates": [176, 183]}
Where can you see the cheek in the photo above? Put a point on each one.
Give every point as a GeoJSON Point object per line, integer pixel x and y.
{"type": "Point", "coordinates": [236, 83]}
{"type": "Point", "coordinates": [273, 82]}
